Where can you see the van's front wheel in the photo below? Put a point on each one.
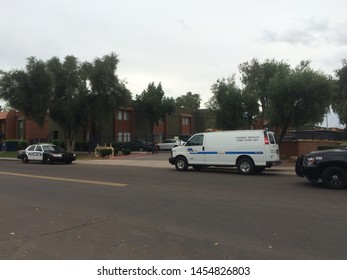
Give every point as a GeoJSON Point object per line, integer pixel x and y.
{"type": "Point", "coordinates": [245, 166]}
{"type": "Point", "coordinates": [181, 164]}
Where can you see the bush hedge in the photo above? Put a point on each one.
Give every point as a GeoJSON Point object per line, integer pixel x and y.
{"type": "Point", "coordinates": [14, 145]}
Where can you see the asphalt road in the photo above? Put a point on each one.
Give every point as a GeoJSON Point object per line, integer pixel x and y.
{"type": "Point", "coordinates": [86, 211]}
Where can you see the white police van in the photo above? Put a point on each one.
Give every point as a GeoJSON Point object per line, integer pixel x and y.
{"type": "Point", "coordinates": [251, 151]}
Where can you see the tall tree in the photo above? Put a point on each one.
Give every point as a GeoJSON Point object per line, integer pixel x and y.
{"type": "Point", "coordinates": [30, 90]}
{"type": "Point", "coordinates": [339, 104]}
{"type": "Point", "coordinates": [229, 105]}
{"type": "Point", "coordinates": [190, 100]}
{"type": "Point", "coordinates": [299, 96]}
{"type": "Point", "coordinates": [69, 107]}
{"type": "Point", "coordinates": [256, 77]}
{"type": "Point", "coordinates": [107, 92]}
{"type": "Point", "coordinates": [155, 104]}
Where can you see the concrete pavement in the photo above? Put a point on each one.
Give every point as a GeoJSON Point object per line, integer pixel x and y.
{"type": "Point", "coordinates": [160, 160]}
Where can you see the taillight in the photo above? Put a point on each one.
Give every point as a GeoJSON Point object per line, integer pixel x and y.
{"type": "Point", "coordinates": [266, 140]}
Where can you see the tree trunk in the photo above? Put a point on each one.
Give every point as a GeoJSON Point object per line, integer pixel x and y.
{"type": "Point", "coordinates": [283, 133]}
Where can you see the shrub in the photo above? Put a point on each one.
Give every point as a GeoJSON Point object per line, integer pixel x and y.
{"type": "Point", "coordinates": [10, 145]}
{"type": "Point", "coordinates": [126, 152]}
{"type": "Point", "coordinates": [105, 152]}
{"type": "Point", "coordinates": [22, 144]}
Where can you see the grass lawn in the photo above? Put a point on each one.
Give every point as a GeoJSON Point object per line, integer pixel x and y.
{"type": "Point", "coordinates": [8, 154]}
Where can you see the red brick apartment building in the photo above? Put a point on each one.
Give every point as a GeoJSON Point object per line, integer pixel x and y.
{"type": "Point", "coordinates": [14, 125]}
{"type": "Point", "coordinates": [128, 123]}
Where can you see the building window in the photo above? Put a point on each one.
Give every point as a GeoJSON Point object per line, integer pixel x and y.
{"type": "Point", "coordinates": [123, 115]}
{"type": "Point", "coordinates": [120, 115]}
{"type": "Point", "coordinates": [185, 121]}
{"type": "Point", "coordinates": [126, 115]}
{"type": "Point", "coordinates": [20, 129]}
{"type": "Point", "coordinates": [123, 137]}
{"type": "Point", "coordinates": [127, 137]}
{"type": "Point", "coordinates": [120, 137]}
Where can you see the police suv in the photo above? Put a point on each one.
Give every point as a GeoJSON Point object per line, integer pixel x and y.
{"type": "Point", "coordinates": [329, 166]}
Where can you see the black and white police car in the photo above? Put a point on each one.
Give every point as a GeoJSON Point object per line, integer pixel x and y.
{"type": "Point", "coordinates": [46, 153]}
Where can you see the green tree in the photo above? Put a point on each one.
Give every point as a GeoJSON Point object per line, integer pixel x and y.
{"type": "Point", "coordinates": [230, 105]}
{"type": "Point", "coordinates": [339, 104]}
{"type": "Point", "coordinates": [107, 92]}
{"type": "Point", "coordinates": [256, 77]}
{"type": "Point", "coordinates": [297, 97]}
{"type": "Point", "coordinates": [69, 107]}
{"type": "Point", "coordinates": [30, 90]}
{"type": "Point", "coordinates": [190, 100]}
{"type": "Point", "coordinates": [155, 104]}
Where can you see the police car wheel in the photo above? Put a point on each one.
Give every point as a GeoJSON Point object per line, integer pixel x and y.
{"type": "Point", "coordinates": [25, 159]}
{"type": "Point", "coordinates": [245, 166]}
{"type": "Point", "coordinates": [334, 177]}
{"type": "Point", "coordinates": [181, 164]}
{"type": "Point", "coordinates": [49, 160]}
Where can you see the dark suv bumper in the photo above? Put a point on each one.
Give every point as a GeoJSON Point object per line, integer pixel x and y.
{"type": "Point", "coordinates": [302, 170]}
{"type": "Point", "coordinates": [172, 160]}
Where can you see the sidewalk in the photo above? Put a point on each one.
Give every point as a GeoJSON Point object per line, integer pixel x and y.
{"type": "Point", "coordinates": [160, 160]}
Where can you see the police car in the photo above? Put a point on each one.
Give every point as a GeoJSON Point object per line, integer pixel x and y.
{"type": "Point", "coordinates": [46, 153]}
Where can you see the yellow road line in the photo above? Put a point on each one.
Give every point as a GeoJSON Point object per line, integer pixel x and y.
{"type": "Point", "coordinates": [65, 179]}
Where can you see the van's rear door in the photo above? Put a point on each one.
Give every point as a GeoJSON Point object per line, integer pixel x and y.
{"type": "Point", "coordinates": [271, 147]}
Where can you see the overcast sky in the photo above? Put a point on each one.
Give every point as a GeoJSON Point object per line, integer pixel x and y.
{"type": "Point", "coordinates": [184, 44]}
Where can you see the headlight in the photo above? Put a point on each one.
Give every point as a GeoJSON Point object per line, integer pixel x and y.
{"type": "Point", "coordinates": [311, 161]}
{"type": "Point", "coordinates": [57, 155]}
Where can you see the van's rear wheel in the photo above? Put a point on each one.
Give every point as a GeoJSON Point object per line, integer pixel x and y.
{"type": "Point", "coordinates": [245, 166]}
{"type": "Point", "coordinates": [181, 164]}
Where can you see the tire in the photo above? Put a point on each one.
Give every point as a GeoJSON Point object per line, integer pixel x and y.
{"type": "Point", "coordinates": [181, 164]}
{"type": "Point", "coordinates": [25, 159]}
{"type": "Point", "coordinates": [68, 161]}
{"type": "Point", "coordinates": [299, 169]}
{"type": "Point", "coordinates": [334, 177]}
{"type": "Point", "coordinates": [49, 160]}
{"type": "Point", "coordinates": [245, 166]}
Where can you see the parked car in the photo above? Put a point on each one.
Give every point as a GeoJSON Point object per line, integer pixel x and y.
{"type": "Point", "coordinates": [168, 144]}
{"type": "Point", "coordinates": [184, 138]}
{"type": "Point", "coordinates": [136, 145]}
{"type": "Point", "coordinates": [46, 153]}
{"type": "Point", "coordinates": [329, 166]}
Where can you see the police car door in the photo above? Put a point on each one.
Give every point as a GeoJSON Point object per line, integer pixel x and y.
{"type": "Point", "coordinates": [195, 149]}
{"type": "Point", "coordinates": [37, 154]}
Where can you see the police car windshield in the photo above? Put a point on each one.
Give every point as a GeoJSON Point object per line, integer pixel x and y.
{"type": "Point", "coordinates": [51, 148]}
